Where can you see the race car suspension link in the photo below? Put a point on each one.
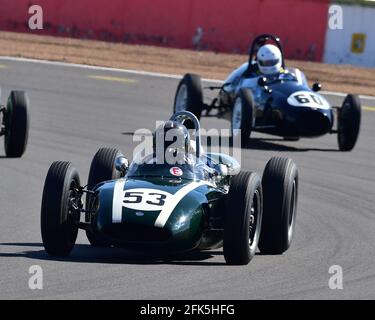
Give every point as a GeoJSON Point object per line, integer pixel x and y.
{"type": "Point", "coordinates": [76, 203]}
{"type": "Point", "coordinates": [214, 87]}
{"type": "Point", "coordinates": [209, 107]}
{"type": "Point", "coordinates": [221, 111]}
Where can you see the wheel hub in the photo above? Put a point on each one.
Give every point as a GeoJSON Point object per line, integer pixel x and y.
{"type": "Point", "coordinates": [237, 115]}
{"type": "Point", "coordinates": [253, 219]}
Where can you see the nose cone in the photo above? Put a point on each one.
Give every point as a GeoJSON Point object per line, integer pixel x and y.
{"type": "Point", "coordinates": [176, 226]}
{"type": "Point", "coordinates": [313, 123]}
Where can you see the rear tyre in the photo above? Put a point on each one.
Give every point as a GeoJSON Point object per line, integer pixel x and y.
{"type": "Point", "coordinates": [189, 95]}
{"type": "Point", "coordinates": [102, 169]}
{"type": "Point", "coordinates": [59, 224]}
{"type": "Point", "coordinates": [243, 218]}
{"type": "Point", "coordinates": [242, 117]}
{"type": "Point", "coordinates": [280, 192]}
{"type": "Point", "coordinates": [349, 122]}
{"type": "Point", "coordinates": [16, 121]}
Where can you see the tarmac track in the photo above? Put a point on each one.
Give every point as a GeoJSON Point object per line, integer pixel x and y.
{"type": "Point", "coordinates": [74, 111]}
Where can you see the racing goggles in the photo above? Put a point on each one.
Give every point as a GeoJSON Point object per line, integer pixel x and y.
{"type": "Point", "coordinates": [268, 63]}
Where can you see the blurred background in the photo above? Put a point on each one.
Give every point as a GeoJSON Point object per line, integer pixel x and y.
{"type": "Point", "coordinates": [212, 25]}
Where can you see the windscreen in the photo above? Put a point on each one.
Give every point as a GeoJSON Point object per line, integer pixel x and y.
{"type": "Point", "coordinates": [188, 167]}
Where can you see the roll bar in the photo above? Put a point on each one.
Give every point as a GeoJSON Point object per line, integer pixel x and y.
{"type": "Point", "coordinates": [260, 41]}
{"type": "Point", "coordinates": [186, 115]}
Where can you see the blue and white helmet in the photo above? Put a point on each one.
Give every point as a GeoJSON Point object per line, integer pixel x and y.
{"type": "Point", "coordinates": [269, 59]}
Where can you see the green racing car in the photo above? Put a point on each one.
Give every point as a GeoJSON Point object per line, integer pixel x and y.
{"type": "Point", "coordinates": [204, 201]}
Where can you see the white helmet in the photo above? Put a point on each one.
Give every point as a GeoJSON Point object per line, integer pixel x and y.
{"type": "Point", "coordinates": [269, 59]}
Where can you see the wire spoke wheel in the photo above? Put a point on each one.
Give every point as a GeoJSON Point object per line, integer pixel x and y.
{"type": "Point", "coordinates": [181, 98]}
{"type": "Point", "coordinates": [293, 204]}
{"type": "Point", "coordinates": [237, 116]}
{"type": "Point", "coordinates": [254, 219]}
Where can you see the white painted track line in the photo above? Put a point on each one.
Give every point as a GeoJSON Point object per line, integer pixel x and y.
{"type": "Point", "coordinates": [140, 72]}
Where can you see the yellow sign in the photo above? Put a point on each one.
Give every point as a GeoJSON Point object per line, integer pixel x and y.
{"type": "Point", "coordinates": [358, 42]}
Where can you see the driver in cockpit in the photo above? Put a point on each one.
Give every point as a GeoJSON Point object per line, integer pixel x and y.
{"type": "Point", "coordinates": [269, 60]}
{"type": "Point", "coordinates": [172, 145]}
{"type": "Point", "coordinates": [268, 64]}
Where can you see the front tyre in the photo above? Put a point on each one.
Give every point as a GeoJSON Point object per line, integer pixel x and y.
{"type": "Point", "coordinates": [189, 95]}
{"type": "Point", "coordinates": [242, 117]}
{"type": "Point", "coordinates": [280, 192]}
{"type": "Point", "coordinates": [102, 169]}
{"type": "Point", "coordinates": [243, 218]}
{"type": "Point", "coordinates": [16, 121]}
{"type": "Point", "coordinates": [59, 222]}
{"type": "Point", "coordinates": [349, 122]}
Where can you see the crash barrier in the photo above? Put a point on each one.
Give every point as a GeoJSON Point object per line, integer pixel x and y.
{"type": "Point", "coordinates": [218, 25]}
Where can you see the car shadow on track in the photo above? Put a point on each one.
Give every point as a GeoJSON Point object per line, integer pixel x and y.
{"type": "Point", "coordinates": [132, 133]}
{"type": "Point", "coordinates": [265, 144]}
{"type": "Point", "coordinates": [273, 145]}
{"type": "Point", "coordinates": [84, 253]}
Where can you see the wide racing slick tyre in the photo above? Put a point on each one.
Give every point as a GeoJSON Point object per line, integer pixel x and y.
{"type": "Point", "coordinates": [243, 218]}
{"type": "Point", "coordinates": [16, 122]}
{"type": "Point", "coordinates": [349, 122]}
{"type": "Point", "coordinates": [59, 223]}
{"type": "Point", "coordinates": [189, 95]}
{"type": "Point", "coordinates": [242, 117]}
{"type": "Point", "coordinates": [102, 169]}
{"type": "Point", "coordinates": [280, 195]}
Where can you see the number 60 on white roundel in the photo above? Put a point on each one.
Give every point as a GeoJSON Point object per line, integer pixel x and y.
{"type": "Point", "coordinates": [308, 99]}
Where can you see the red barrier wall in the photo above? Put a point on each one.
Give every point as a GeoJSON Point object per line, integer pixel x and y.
{"type": "Point", "coordinates": [227, 26]}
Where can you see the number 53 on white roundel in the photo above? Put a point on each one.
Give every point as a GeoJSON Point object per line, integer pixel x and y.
{"type": "Point", "coordinates": [145, 199]}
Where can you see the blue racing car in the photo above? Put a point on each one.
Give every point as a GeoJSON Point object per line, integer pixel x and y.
{"type": "Point", "coordinates": [264, 95]}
